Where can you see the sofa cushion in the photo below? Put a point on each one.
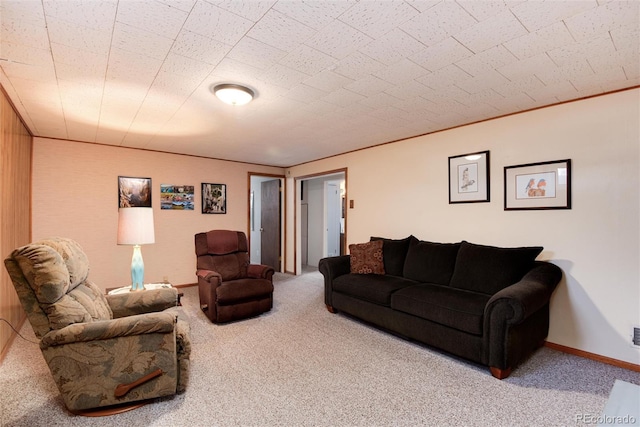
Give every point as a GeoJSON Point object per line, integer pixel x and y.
{"type": "Point", "coordinates": [372, 288]}
{"type": "Point", "coordinates": [366, 258]}
{"type": "Point", "coordinates": [394, 253]}
{"type": "Point", "coordinates": [488, 269]}
{"type": "Point", "coordinates": [430, 262]}
{"type": "Point", "coordinates": [455, 308]}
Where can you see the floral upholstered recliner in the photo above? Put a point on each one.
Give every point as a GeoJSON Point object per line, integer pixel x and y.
{"type": "Point", "coordinates": [102, 350]}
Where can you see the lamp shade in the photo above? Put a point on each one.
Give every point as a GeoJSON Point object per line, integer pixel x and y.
{"type": "Point", "coordinates": [135, 226]}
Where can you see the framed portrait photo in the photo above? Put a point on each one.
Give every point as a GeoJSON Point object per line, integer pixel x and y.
{"type": "Point", "coordinates": [469, 178]}
{"type": "Point", "coordinates": [545, 185]}
{"type": "Point", "coordinates": [214, 198]}
{"type": "Point", "coordinates": [134, 192]}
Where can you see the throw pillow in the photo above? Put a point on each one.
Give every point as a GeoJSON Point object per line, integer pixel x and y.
{"type": "Point", "coordinates": [366, 258]}
{"type": "Point", "coordinates": [394, 253]}
{"type": "Point", "coordinates": [489, 269]}
{"type": "Point", "coordinates": [431, 262]}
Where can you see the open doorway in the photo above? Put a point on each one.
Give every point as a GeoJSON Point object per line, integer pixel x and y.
{"type": "Point", "coordinates": [266, 220]}
{"type": "Point", "coordinates": [321, 218]}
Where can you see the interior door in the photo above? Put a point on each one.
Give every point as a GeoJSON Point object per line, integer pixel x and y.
{"type": "Point", "coordinates": [333, 209]}
{"type": "Point", "coordinates": [270, 224]}
{"type": "Point", "coordinates": [304, 233]}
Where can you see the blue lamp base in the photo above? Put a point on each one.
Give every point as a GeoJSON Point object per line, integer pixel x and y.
{"type": "Point", "coordinates": [137, 270]}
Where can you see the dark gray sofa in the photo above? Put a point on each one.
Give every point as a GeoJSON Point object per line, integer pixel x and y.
{"type": "Point", "coordinates": [483, 303]}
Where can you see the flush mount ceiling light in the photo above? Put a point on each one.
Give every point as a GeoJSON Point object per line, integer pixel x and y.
{"type": "Point", "coordinates": [233, 94]}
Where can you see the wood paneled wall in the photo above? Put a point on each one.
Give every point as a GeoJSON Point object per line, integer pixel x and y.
{"type": "Point", "coordinates": [15, 210]}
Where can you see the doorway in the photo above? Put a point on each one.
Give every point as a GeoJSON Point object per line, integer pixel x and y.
{"type": "Point", "coordinates": [321, 218]}
{"type": "Point", "coordinates": [266, 220]}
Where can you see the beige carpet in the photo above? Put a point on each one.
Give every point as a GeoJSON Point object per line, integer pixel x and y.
{"type": "Point", "coordinates": [299, 365]}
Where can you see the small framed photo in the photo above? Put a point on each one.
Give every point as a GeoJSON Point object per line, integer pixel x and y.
{"type": "Point", "coordinates": [134, 192]}
{"type": "Point", "coordinates": [469, 178]}
{"type": "Point", "coordinates": [176, 197]}
{"type": "Point", "coordinates": [214, 198]}
{"type": "Point", "coordinates": [545, 185]}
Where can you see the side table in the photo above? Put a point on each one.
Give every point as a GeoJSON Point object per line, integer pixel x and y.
{"type": "Point", "coordinates": [147, 286]}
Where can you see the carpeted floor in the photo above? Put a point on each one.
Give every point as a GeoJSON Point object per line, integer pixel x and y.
{"type": "Point", "coordinates": [299, 365]}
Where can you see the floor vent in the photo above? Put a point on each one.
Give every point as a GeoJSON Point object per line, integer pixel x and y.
{"type": "Point", "coordinates": [635, 336]}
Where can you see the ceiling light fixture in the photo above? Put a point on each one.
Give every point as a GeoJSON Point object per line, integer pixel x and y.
{"type": "Point", "coordinates": [233, 94]}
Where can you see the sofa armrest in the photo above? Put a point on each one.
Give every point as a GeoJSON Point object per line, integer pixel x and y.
{"type": "Point", "coordinates": [516, 319]}
{"type": "Point", "coordinates": [148, 301]}
{"type": "Point", "coordinates": [528, 295]}
{"type": "Point", "coordinates": [163, 322]}
{"type": "Point", "coordinates": [259, 271]}
{"type": "Point", "coordinates": [331, 268]}
{"type": "Point", "coordinates": [335, 266]}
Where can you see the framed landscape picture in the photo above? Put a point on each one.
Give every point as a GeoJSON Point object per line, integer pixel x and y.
{"type": "Point", "coordinates": [469, 178]}
{"type": "Point", "coordinates": [176, 197]}
{"type": "Point", "coordinates": [545, 185]}
{"type": "Point", "coordinates": [134, 192]}
{"type": "Point", "coordinates": [214, 198]}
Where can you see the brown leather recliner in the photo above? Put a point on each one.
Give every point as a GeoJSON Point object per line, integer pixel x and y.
{"type": "Point", "coordinates": [230, 287]}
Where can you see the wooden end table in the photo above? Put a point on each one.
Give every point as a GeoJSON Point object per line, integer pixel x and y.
{"type": "Point", "coordinates": [147, 286]}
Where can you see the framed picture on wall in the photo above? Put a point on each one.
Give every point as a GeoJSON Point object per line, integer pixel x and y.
{"type": "Point", "coordinates": [469, 178]}
{"type": "Point", "coordinates": [214, 198]}
{"type": "Point", "coordinates": [176, 197]}
{"type": "Point", "coordinates": [545, 185]}
{"type": "Point", "coordinates": [134, 192]}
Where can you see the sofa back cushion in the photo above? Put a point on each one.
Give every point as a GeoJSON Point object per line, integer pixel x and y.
{"type": "Point", "coordinates": [394, 253]}
{"type": "Point", "coordinates": [430, 262]}
{"type": "Point", "coordinates": [489, 269]}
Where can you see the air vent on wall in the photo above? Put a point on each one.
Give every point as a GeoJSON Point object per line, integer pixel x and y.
{"type": "Point", "coordinates": [635, 336]}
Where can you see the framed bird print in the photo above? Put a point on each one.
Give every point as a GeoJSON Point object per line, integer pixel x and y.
{"type": "Point", "coordinates": [545, 185]}
{"type": "Point", "coordinates": [469, 178]}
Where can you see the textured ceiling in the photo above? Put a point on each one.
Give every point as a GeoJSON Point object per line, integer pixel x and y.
{"type": "Point", "coordinates": [330, 76]}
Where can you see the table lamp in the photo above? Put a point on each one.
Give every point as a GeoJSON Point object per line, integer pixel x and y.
{"type": "Point", "coordinates": [135, 227]}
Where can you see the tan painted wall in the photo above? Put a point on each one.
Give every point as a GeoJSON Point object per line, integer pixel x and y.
{"type": "Point", "coordinates": [402, 188]}
{"type": "Point", "coordinates": [75, 194]}
{"type": "Point", "coordinates": [15, 210]}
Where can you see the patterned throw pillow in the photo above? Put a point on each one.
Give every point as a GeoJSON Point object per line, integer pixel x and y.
{"type": "Point", "coordinates": [366, 258]}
